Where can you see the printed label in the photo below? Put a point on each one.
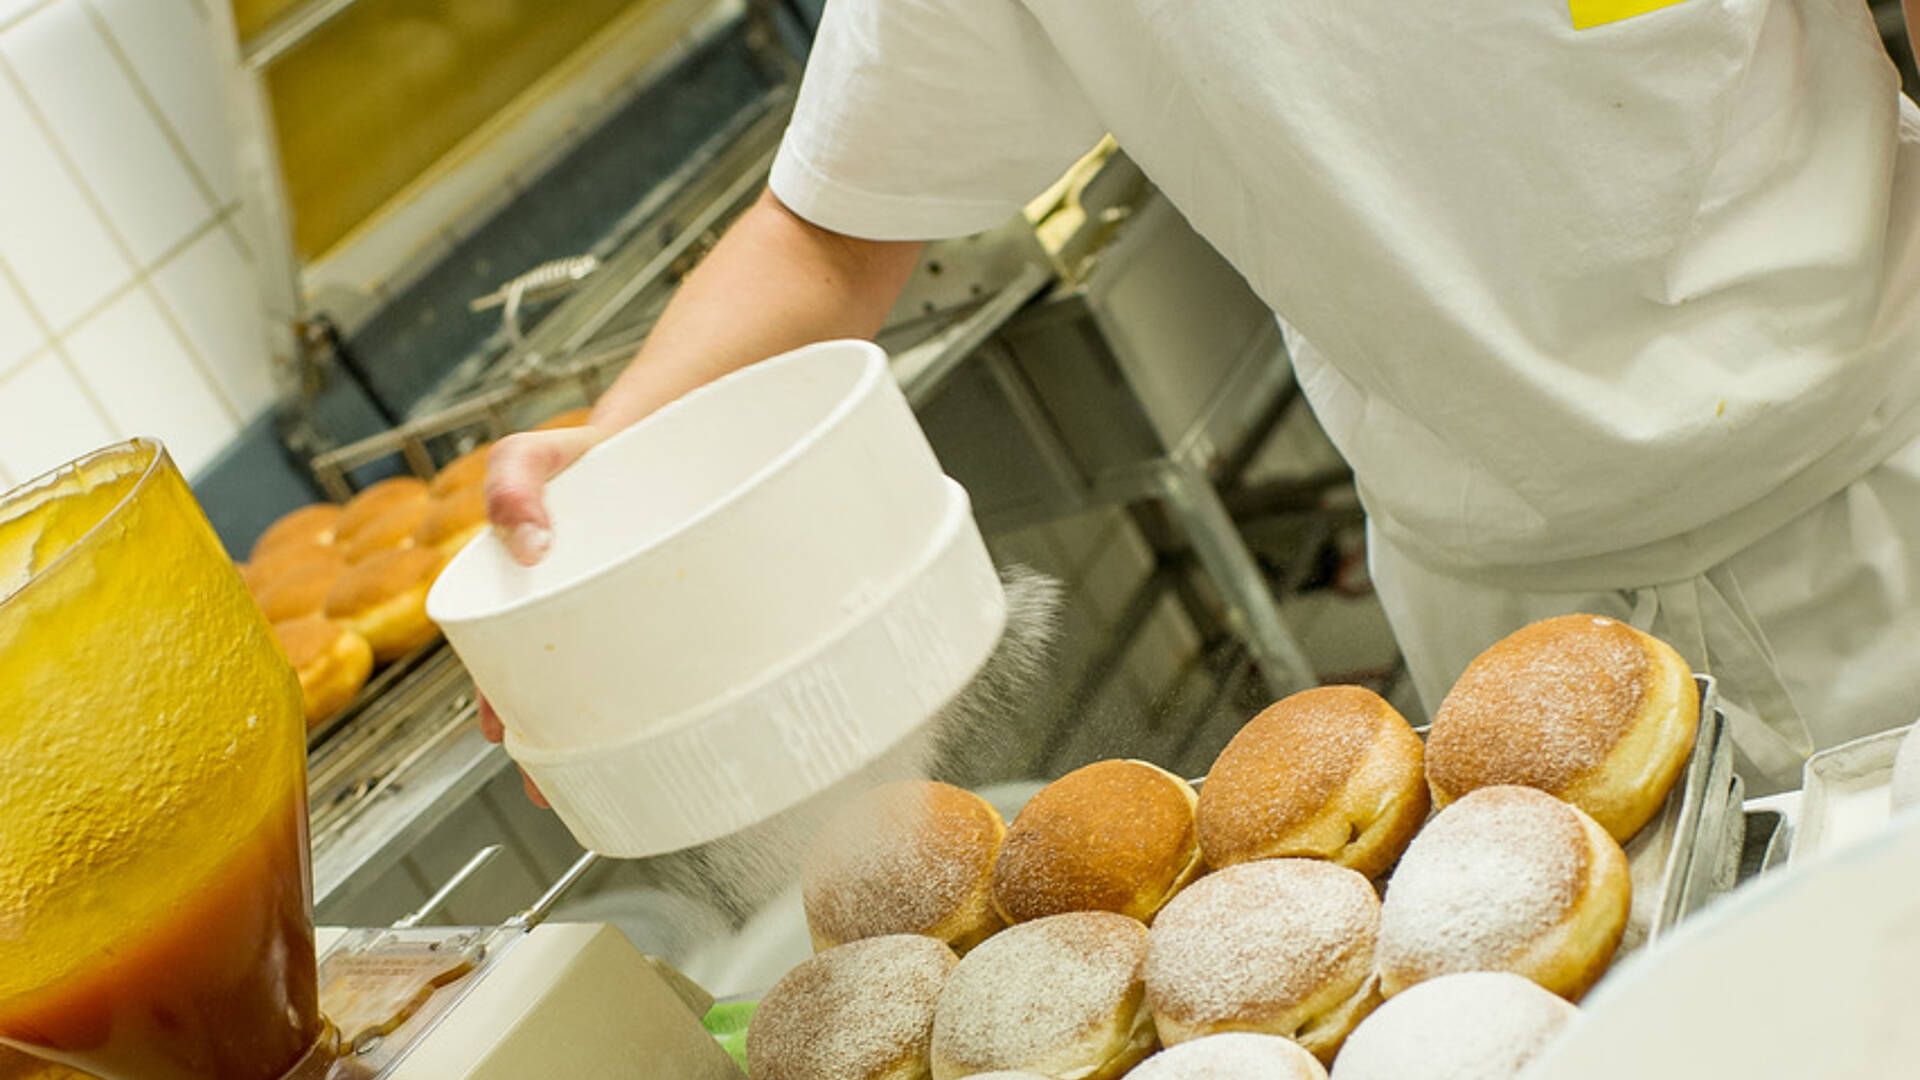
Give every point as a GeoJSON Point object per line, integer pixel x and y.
{"type": "Point", "coordinates": [1591, 13]}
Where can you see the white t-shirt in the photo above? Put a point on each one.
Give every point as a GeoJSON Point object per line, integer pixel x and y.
{"type": "Point", "coordinates": [1586, 306]}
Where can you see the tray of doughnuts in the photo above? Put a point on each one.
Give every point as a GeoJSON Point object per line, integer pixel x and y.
{"type": "Point", "coordinates": [1338, 893]}
{"type": "Point", "coordinates": [344, 585]}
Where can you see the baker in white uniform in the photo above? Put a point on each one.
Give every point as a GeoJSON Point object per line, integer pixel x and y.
{"type": "Point", "coordinates": [1613, 305]}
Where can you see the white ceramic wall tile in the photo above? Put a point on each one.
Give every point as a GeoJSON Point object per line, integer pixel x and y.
{"type": "Point", "coordinates": [148, 384]}
{"type": "Point", "coordinates": [58, 248]}
{"type": "Point", "coordinates": [46, 419]}
{"type": "Point", "coordinates": [89, 100]}
{"type": "Point", "coordinates": [169, 43]}
{"type": "Point", "coordinates": [209, 288]}
{"type": "Point", "coordinates": [19, 335]}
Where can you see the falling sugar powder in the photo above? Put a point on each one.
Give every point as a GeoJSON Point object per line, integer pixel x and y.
{"type": "Point", "coordinates": [901, 860]}
{"type": "Point", "coordinates": [739, 874]}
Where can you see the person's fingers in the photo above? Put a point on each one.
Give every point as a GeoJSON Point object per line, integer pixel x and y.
{"type": "Point", "coordinates": [533, 793]}
{"type": "Point", "coordinates": [518, 468]}
{"type": "Point", "coordinates": [494, 731]}
{"type": "Point", "coordinates": [490, 726]}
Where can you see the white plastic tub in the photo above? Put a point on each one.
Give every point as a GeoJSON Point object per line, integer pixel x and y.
{"type": "Point", "coordinates": [750, 595]}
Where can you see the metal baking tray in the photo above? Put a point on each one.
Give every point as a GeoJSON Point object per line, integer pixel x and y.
{"type": "Point", "coordinates": [1690, 852]}
{"type": "Point", "coordinates": [1688, 855]}
{"type": "Point", "coordinates": [1846, 793]}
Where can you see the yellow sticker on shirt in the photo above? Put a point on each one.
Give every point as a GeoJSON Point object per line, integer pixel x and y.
{"type": "Point", "coordinates": [1591, 13]}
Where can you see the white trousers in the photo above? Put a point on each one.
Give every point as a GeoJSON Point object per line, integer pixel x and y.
{"type": "Point", "coordinates": [1813, 632]}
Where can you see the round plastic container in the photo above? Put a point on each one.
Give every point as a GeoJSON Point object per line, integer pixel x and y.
{"type": "Point", "coordinates": [750, 595]}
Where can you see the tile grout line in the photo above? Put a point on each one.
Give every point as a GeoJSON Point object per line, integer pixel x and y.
{"type": "Point", "coordinates": [140, 277]}
{"type": "Point", "coordinates": [201, 363]}
{"type": "Point", "coordinates": [152, 105]}
{"type": "Point", "coordinates": [20, 365]}
{"type": "Point", "coordinates": [22, 16]}
{"type": "Point", "coordinates": [19, 293]}
{"type": "Point", "coordinates": [231, 222]}
{"type": "Point", "coordinates": [53, 347]}
{"type": "Point", "coordinates": [86, 191]}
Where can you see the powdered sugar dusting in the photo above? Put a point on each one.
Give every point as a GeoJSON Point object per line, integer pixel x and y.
{"type": "Point", "coordinates": [1283, 766]}
{"type": "Point", "coordinates": [1541, 707]}
{"type": "Point", "coordinates": [855, 1011]}
{"type": "Point", "coordinates": [1034, 988]}
{"type": "Point", "coordinates": [1257, 939]}
{"type": "Point", "coordinates": [1233, 1056]}
{"type": "Point", "coordinates": [899, 860]}
{"type": "Point", "coordinates": [1487, 876]}
{"type": "Point", "coordinates": [1473, 1026]}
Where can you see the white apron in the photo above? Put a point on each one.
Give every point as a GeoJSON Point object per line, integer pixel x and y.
{"type": "Point", "coordinates": [1610, 296]}
{"type": "Point", "coordinates": [1813, 632]}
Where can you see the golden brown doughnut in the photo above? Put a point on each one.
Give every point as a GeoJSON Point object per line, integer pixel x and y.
{"type": "Point", "coordinates": [333, 663]}
{"type": "Point", "coordinates": [1507, 879]}
{"type": "Point", "coordinates": [1059, 996]}
{"type": "Point", "coordinates": [468, 470]}
{"type": "Point", "coordinates": [862, 1011]}
{"type": "Point", "coordinates": [251, 577]}
{"type": "Point", "coordinates": [370, 505]}
{"type": "Point", "coordinates": [914, 857]}
{"type": "Point", "coordinates": [309, 526]}
{"type": "Point", "coordinates": [1582, 707]}
{"type": "Point", "coordinates": [384, 600]}
{"type": "Point", "coordinates": [452, 520]}
{"type": "Point", "coordinates": [392, 531]}
{"type": "Point", "coordinates": [1278, 946]}
{"type": "Point", "coordinates": [268, 565]}
{"type": "Point", "coordinates": [1237, 1055]}
{"type": "Point", "coordinates": [1111, 836]}
{"type": "Point", "coordinates": [299, 586]}
{"type": "Point", "coordinates": [1330, 773]}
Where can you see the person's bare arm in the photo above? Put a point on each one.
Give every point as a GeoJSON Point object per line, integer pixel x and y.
{"type": "Point", "coordinates": [774, 282]}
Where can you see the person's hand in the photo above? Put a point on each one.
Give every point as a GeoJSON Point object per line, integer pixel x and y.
{"type": "Point", "coordinates": [518, 468]}
{"type": "Point", "coordinates": [495, 731]}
